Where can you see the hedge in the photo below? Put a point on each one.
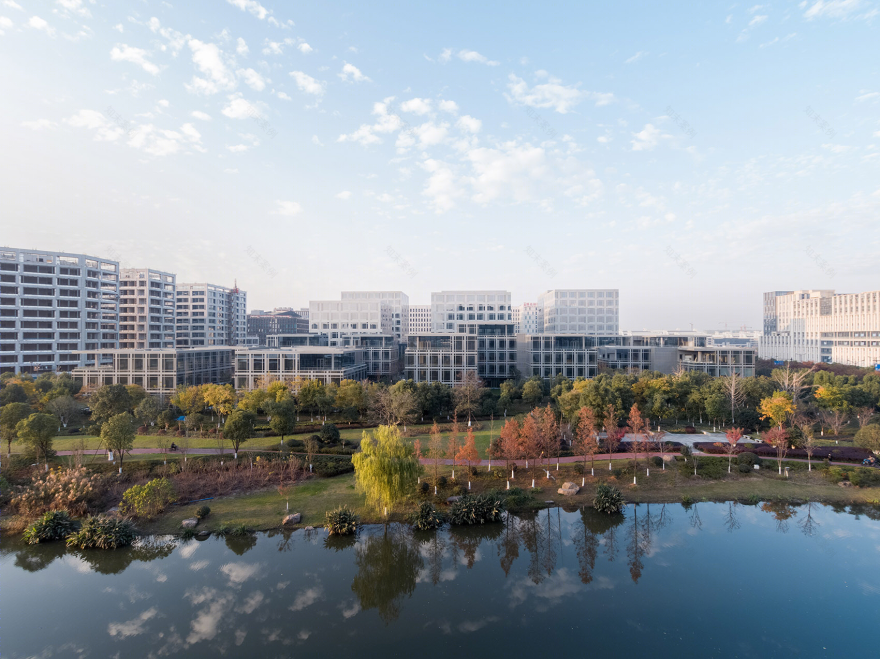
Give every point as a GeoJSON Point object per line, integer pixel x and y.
{"type": "Point", "coordinates": [837, 453]}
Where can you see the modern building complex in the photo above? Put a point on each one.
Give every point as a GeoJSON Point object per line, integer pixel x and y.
{"type": "Point", "coordinates": [325, 363]}
{"type": "Point", "coordinates": [579, 311]}
{"type": "Point", "coordinates": [394, 307]}
{"type": "Point", "coordinates": [360, 312]}
{"type": "Point", "coordinates": [822, 326]}
{"type": "Point", "coordinates": [146, 309]}
{"type": "Point", "coordinates": [419, 318]}
{"type": "Point", "coordinates": [210, 315]}
{"type": "Point", "coordinates": [525, 318]}
{"type": "Point", "coordinates": [457, 311]}
{"type": "Point", "coordinates": [262, 324]}
{"type": "Point", "coordinates": [54, 305]}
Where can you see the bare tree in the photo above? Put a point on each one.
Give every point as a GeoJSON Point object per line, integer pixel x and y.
{"type": "Point", "coordinates": [792, 382]}
{"type": "Point", "coordinates": [807, 524]}
{"type": "Point", "coordinates": [467, 395]}
{"type": "Point", "coordinates": [835, 419]}
{"type": "Point", "coordinates": [864, 415]}
{"type": "Point", "coordinates": [732, 385]}
{"type": "Point", "coordinates": [731, 523]}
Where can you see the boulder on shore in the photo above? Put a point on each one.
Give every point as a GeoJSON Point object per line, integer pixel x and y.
{"type": "Point", "coordinates": [295, 518]}
{"type": "Point", "coordinates": [190, 523]}
{"type": "Point", "coordinates": [452, 500]}
{"type": "Point", "coordinates": [568, 488]}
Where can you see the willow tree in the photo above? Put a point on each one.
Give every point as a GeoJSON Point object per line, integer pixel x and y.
{"type": "Point", "coordinates": [386, 468]}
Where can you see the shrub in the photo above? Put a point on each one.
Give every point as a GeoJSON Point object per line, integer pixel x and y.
{"type": "Point", "coordinates": [441, 482]}
{"type": "Point", "coordinates": [749, 459]}
{"type": "Point", "coordinates": [686, 501]}
{"type": "Point", "coordinates": [295, 443]}
{"type": "Point", "coordinates": [657, 461]}
{"type": "Point", "coordinates": [685, 450]}
{"type": "Point", "coordinates": [426, 518]}
{"type": "Point", "coordinates": [516, 497]}
{"type": "Point", "coordinates": [148, 500]}
{"type": "Point", "coordinates": [608, 500]}
{"type": "Point", "coordinates": [54, 525]}
{"type": "Point", "coordinates": [102, 533]}
{"type": "Point", "coordinates": [499, 474]}
{"type": "Point", "coordinates": [203, 512]}
{"type": "Point", "coordinates": [458, 490]}
{"type": "Point", "coordinates": [327, 467]}
{"type": "Point", "coordinates": [329, 434]}
{"type": "Point", "coordinates": [690, 430]}
{"type": "Point", "coordinates": [744, 468]}
{"type": "Point", "coordinates": [476, 509]}
{"type": "Point", "coordinates": [239, 530]}
{"type": "Point", "coordinates": [60, 489]}
{"type": "Point", "coordinates": [424, 487]}
{"type": "Point", "coordinates": [341, 521]}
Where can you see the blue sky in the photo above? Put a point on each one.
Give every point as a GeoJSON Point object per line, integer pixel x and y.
{"type": "Point", "coordinates": [692, 155]}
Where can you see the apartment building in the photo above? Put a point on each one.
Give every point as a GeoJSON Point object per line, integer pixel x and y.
{"type": "Point", "coordinates": [419, 318]}
{"type": "Point", "coordinates": [146, 308]}
{"type": "Point", "coordinates": [526, 318]}
{"type": "Point", "coordinates": [457, 311]}
{"type": "Point", "coordinates": [262, 324]}
{"type": "Point", "coordinates": [822, 326]}
{"type": "Point", "coordinates": [54, 305]}
{"type": "Point", "coordinates": [210, 315]}
{"type": "Point", "coordinates": [579, 311]}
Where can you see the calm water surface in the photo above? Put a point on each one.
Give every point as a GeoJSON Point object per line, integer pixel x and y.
{"type": "Point", "coordinates": [714, 580]}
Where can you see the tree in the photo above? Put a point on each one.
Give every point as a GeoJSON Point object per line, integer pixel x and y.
{"type": "Point", "coordinates": [530, 439]}
{"type": "Point", "coordinates": [13, 393]}
{"type": "Point", "coordinates": [778, 439]}
{"type": "Point", "coordinates": [658, 439]}
{"type": "Point", "coordinates": [37, 431]}
{"type": "Point", "coordinates": [869, 438]}
{"type": "Point", "coordinates": [613, 434]}
{"type": "Point", "coordinates": [549, 433]}
{"type": "Point", "coordinates": [452, 444]}
{"type": "Point", "coordinates": [733, 436]}
{"type": "Point", "coordinates": [239, 427]}
{"type": "Point", "coordinates": [435, 452]}
{"type": "Point", "coordinates": [220, 398]}
{"type": "Point", "coordinates": [636, 424]}
{"type": "Point", "coordinates": [10, 415]}
{"type": "Point", "coordinates": [108, 401]}
{"type": "Point", "coordinates": [468, 394]}
{"type": "Point", "coordinates": [283, 417]}
{"type": "Point", "coordinates": [468, 452]}
{"type": "Point", "coordinates": [794, 383]}
{"type": "Point", "coordinates": [65, 408]}
{"type": "Point", "coordinates": [586, 436]}
{"type": "Point", "coordinates": [864, 415]}
{"type": "Point", "coordinates": [835, 419]}
{"type": "Point", "coordinates": [117, 433]}
{"type": "Point", "coordinates": [733, 389]}
{"type": "Point", "coordinates": [147, 411]}
{"type": "Point", "coordinates": [386, 468]}
{"type": "Point", "coordinates": [510, 442]}
{"type": "Point", "coordinates": [532, 392]}
{"type": "Point", "coordinates": [777, 408]}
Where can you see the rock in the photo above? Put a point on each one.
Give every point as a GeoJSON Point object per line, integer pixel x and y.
{"type": "Point", "coordinates": [309, 528]}
{"type": "Point", "coordinates": [668, 458]}
{"type": "Point", "coordinates": [568, 488]}
{"type": "Point", "coordinates": [190, 523]}
{"type": "Point", "coordinates": [291, 519]}
{"type": "Point", "coordinates": [845, 484]}
{"type": "Point", "coordinates": [452, 499]}
{"type": "Point", "coordinates": [204, 534]}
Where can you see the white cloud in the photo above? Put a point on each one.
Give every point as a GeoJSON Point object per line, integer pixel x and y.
{"type": "Point", "coordinates": [831, 8]}
{"type": "Point", "coordinates": [191, 133]}
{"type": "Point", "coordinates": [5, 24]}
{"type": "Point", "coordinates": [230, 171]}
{"type": "Point", "coordinates": [431, 134]}
{"type": "Point", "coordinates": [866, 95]}
{"type": "Point", "coordinates": [239, 108]}
{"type": "Point", "coordinates": [105, 130]}
{"type": "Point", "coordinates": [251, 6]}
{"type": "Point", "coordinates": [132, 627]}
{"type": "Point", "coordinates": [317, 141]}
{"type": "Point", "coordinates": [242, 47]}
{"type": "Point", "coordinates": [345, 194]}
{"type": "Point", "coordinates": [305, 48]}
{"type": "Point", "coordinates": [12, 4]}
{"type": "Point", "coordinates": [469, 124]}
{"type": "Point", "coordinates": [508, 171]}
{"type": "Point", "coordinates": [39, 124]}
{"type": "Point", "coordinates": [119, 28]}
{"type": "Point", "coordinates": [757, 20]}
{"type": "Point", "coordinates": [386, 123]}
{"type": "Point", "coordinates": [39, 24]}
{"type": "Point", "coordinates": [418, 106]}
{"type": "Point", "coordinates": [350, 73]}
{"type": "Point", "coordinates": [449, 106]}
{"type": "Point", "coordinates": [306, 598]}
{"type": "Point", "coordinates": [238, 148]}
{"type": "Point", "coordinates": [283, 96]}
{"type": "Point", "coordinates": [198, 114]}
{"type": "Point", "coordinates": [138, 56]}
{"type": "Point", "coordinates": [252, 79]}
{"type": "Point", "coordinates": [208, 58]}
{"type": "Point", "coordinates": [442, 186]}
{"type": "Point", "coordinates": [552, 94]}
{"type": "Point", "coordinates": [474, 56]}
{"type": "Point", "coordinates": [289, 208]}
{"type": "Point", "coordinates": [307, 83]}
{"type": "Point", "coordinates": [238, 573]}
{"type": "Point", "coordinates": [75, 6]}
{"type": "Point", "coordinates": [635, 58]}
{"type": "Point", "coordinates": [156, 141]}
{"type": "Point", "coordinates": [646, 139]}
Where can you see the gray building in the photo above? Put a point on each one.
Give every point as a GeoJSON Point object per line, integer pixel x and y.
{"type": "Point", "coordinates": [262, 324]}
{"type": "Point", "coordinates": [146, 308]}
{"type": "Point", "coordinates": [210, 315]}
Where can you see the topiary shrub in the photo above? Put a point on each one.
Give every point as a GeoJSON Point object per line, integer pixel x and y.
{"type": "Point", "coordinates": [441, 482]}
{"type": "Point", "coordinates": [476, 509]}
{"type": "Point", "coordinates": [203, 512]}
{"type": "Point", "coordinates": [426, 518]}
{"type": "Point", "coordinates": [499, 474]}
{"type": "Point", "coordinates": [744, 468]}
{"type": "Point", "coordinates": [690, 430]}
{"type": "Point", "coordinates": [102, 533]}
{"type": "Point", "coordinates": [341, 521]}
{"type": "Point", "coordinates": [608, 500]}
{"type": "Point", "coordinates": [424, 488]}
{"type": "Point", "coordinates": [657, 461]}
{"type": "Point", "coordinates": [329, 434]}
{"type": "Point", "coordinates": [748, 458]}
{"type": "Point", "coordinates": [54, 525]}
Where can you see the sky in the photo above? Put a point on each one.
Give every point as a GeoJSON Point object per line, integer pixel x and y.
{"type": "Point", "coordinates": [692, 155]}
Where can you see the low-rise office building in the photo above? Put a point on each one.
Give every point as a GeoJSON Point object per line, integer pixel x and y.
{"type": "Point", "coordinates": [328, 364]}
{"type": "Point", "coordinates": [262, 324]}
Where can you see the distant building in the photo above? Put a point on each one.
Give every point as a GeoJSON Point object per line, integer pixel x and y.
{"type": "Point", "coordinates": [456, 311]}
{"type": "Point", "coordinates": [54, 305]}
{"type": "Point", "coordinates": [280, 321]}
{"type": "Point", "coordinates": [525, 318]}
{"type": "Point", "coordinates": [419, 318]}
{"type": "Point", "coordinates": [579, 311]}
{"type": "Point", "coordinates": [210, 315]}
{"type": "Point", "coordinates": [359, 313]}
{"type": "Point", "coordinates": [146, 309]}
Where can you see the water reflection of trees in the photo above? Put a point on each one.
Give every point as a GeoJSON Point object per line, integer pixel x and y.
{"type": "Point", "coordinates": [782, 511]}
{"type": "Point", "coordinates": [241, 544]}
{"type": "Point", "coordinates": [115, 561]}
{"type": "Point", "coordinates": [588, 534]}
{"type": "Point", "coordinates": [388, 566]}
{"type": "Point", "coordinates": [34, 558]}
{"type": "Point", "coordinates": [466, 540]}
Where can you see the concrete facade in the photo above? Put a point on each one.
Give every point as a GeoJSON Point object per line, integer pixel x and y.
{"type": "Point", "coordinates": [210, 315]}
{"type": "Point", "coordinates": [146, 308]}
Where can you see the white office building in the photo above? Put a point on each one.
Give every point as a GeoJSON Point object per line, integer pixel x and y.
{"type": "Point", "coordinates": [822, 326]}
{"type": "Point", "coordinates": [210, 315]}
{"type": "Point", "coordinates": [146, 309]}
{"type": "Point", "coordinates": [360, 313]}
{"type": "Point", "coordinates": [454, 311]}
{"type": "Point", "coordinates": [579, 311]}
{"type": "Point", "coordinates": [53, 304]}
{"type": "Point", "coordinates": [526, 318]}
{"type": "Point", "coordinates": [394, 307]}
{"type": "Point", "coordinates": [419, 318]}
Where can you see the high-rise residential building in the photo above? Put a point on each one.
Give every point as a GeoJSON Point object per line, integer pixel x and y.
{"type": "Point", "coordinates": [457, 311]}
{"type": "Point", "coordinates": [146, 308]}
{"type": "Point", "coordinates": [822, 326]}
{"type": "Point", "coordinates": [54, 304]}
{"type": "Point", "coordinates": [419, 318]}
{"type": "Point", "coordinates": [525, 318]}
{"type": "Point", "coordinates": [262, 324]}
{"type": "Point", "coordinates": [210, 315]}
{"type": "Point", "coordinates": [579, 311]}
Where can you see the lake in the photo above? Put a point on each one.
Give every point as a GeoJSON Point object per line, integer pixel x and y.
{"type": "Point", "coordinates": [709, 580]}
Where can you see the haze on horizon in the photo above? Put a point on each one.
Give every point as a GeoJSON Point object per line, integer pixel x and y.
{"type": "Point", "coordinates": [692, 157]}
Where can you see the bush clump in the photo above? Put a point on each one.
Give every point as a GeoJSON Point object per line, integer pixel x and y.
{"type": "Point", "coordinates": [424, 487]}
{"type": "Point", "coordinates": [476, 509]}
{"type": "Point", "coordinates": [749, 459]}
{"type": "Point", "coordinates": [341, 521]}
{"type": "Point", "coordinates": [99, 532]}
{"type": "Point", "coordinates": [329, 434]}
{"type": "Point", "coordinates": [426, 518]}
{"type": "Point", "coordinates": [458, 490]}
{"type": "Point", "coordinates": [608, 500]}
{"type": "Point", "coordinates": [54, 525]}
{"type": "Point", "coordinates": [657, 461]}
{"type": "Point", "coordinates": [327, 467]}
{"type": "Point", "coordinates": [516, 497]}
{"type": "Point", "coordinates": [60, 489]}
{"type": "Point", "coordinates": [203, 512]}
{"type": "Point", "coordinates": [744, 468]}
{"type": "Point", "coordinates": [147, 501]}
{"type": "Point", "coordinates": [441, 482]}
